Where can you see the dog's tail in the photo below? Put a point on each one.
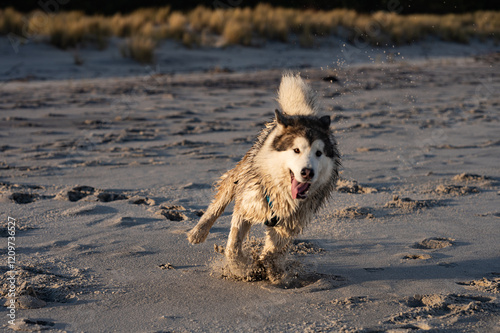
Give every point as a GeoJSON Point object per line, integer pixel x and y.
{"type": "Point", "coordinates": [226, 189]}
{"type": "Point", "coordinates": [296, 97]}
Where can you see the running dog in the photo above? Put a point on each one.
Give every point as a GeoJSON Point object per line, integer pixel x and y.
{"type": "Point", "coordinates": [284, 179]}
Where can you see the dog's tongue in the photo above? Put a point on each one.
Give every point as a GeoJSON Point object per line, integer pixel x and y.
{"type": "Point", "coordinates": [299, 189]}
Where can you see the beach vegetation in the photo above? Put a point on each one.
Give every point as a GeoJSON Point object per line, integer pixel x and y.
{"type": "Point", "coordinates": [144, 28]}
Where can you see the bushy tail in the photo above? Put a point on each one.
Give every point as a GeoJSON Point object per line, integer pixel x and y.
{"type": "Point", "coordinates": [296, 97]}
{"type": "Point", "coordinates": [225, 194]}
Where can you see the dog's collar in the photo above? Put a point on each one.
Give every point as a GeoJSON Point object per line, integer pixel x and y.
{"type": "Point", "coordinates": [274, 220]}
{"type": "Point", "coordinates": [269, 202]}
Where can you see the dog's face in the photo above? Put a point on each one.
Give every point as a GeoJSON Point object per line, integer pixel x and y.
{"type": "Point", "coordinates": [306, 151]}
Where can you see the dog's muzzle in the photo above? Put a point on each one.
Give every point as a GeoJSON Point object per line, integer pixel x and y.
{"type": "Point", "coordinates": [299, 190]}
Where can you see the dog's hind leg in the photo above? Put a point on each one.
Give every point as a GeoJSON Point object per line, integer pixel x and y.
{"type": "Point", "coordinates": [239, 263]}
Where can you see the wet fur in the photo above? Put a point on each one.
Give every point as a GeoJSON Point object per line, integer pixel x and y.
{"type": "Point", "coordinates": [262, 174]}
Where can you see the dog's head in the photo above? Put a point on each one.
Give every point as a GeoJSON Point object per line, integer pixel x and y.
{"type": "Point", "coordinates": [307, 151]}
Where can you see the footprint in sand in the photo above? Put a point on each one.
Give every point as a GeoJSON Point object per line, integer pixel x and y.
{"type": "Point", "coordinates": [79, 192]}
{"type": "Point", "coordinates": [434, 243]}
{"type": "Point", "coordinates": [110, 196]}
{"type": "Point", "coordinates": [76, 193]}
{"type": "Point", "coordinates": [351, 302]}
{"type": "Point", "coordinates": [491, 285]}
{"type": "Point", "coordinates": [27, 297]}
{"type": "Point", "coordinates": [354, 213]}
{"type": "Point", "coordinates": [32, 325]}
{"type": "Point", "coordinates": [30, 302]}
{"type": "Point", "coordinates": [408, 205]}
{"type": "Point", "coordinates": [438, 307]}
{"type": "Point", "coordinates": [307, 282]}
{"type": "Point", "coordinates": [4, 228]}
{"type": "Point", "coordinates": [352, 186]}
{"type": "Point", "coordinates": [138, 200]}
{"type": "Point", "coordinates": [172, 212]}
{"type": "Point", "coordinates": [455, 190]}
{"type": "Point", "coordinates": [23, 198]}
{"type": "Point", "coordinates": [303, 248]}
{"type": "Point", "coordinates": [470, 177]}
{"type": "Point", "coordinates": [416, 257]}
{"type": "Point", "coordinates": [312, 282]}
{"type": "Point", "coordinates": [47, 283]}
{"type": "Point", "coordinates": [173, 215]}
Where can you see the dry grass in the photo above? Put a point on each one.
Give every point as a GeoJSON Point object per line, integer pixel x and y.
{"type": "Point", "coordinates": [238, 32]}
{"type": "Point", "coordinates": [139, 48]}
{"type": "Point", "coordinates": [247, 26]}
{"type": "Point", "coordinates": [11, 21]}
{"type": "Point", "coordinates": [64, 30]}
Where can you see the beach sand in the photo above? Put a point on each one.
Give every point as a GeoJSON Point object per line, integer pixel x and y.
{"type": "Point", "coordinates": [105, 169]}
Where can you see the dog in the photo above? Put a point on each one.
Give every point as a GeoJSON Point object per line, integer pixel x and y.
{"type": "Point", "coordinates": [285, 178]}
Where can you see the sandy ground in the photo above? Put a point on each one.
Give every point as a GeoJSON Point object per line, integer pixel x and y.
{"type": "Point", "coordinates": [104, 172]}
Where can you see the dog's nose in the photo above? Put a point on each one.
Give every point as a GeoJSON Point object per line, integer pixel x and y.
{"type": "Point", "coordinates": [307, 173]}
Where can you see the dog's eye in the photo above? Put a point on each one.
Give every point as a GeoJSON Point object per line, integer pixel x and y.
{"type": "Point", "coordinates": [319, 153]}
{"type": "Point", "coordinates": [296, 151]}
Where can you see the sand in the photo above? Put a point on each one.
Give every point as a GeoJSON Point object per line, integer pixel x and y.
{"type": "Point", "coordinates": [104, 167]}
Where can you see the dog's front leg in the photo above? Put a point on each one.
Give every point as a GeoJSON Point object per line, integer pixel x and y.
{"type": "Point", "coordinates": [272, 257]}
{"type": "Point", "coordinates": [238, 262]}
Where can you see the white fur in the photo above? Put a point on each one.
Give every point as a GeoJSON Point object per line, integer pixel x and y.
{"type": "Point", "coordinates": [296, 97]}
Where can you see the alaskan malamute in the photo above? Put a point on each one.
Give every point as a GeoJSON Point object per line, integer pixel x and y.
{"type": "Point", "coordinates": [281, 181]}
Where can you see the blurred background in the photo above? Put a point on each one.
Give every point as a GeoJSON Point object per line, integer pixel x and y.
{"type": "Point", "coordinates": [147, 32]}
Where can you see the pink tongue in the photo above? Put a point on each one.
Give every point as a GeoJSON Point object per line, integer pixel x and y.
{"type": "Point", "coordinates": [299, 189]}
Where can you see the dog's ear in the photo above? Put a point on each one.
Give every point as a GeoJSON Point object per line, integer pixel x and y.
{"type": "Point", "coordinates": [281, 119]}
{"type": "Point", "coordinates": [325, 121]}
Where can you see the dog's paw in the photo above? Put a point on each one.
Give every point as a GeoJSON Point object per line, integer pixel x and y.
{"type": "Point", "coordinates": [275, 276]}
{"type": "Point", "coordinates": [272, 264]}
{"type": "Point", "coordinates": [239, 267]}
{"type": "Point", "coordinates": [196, 236]}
